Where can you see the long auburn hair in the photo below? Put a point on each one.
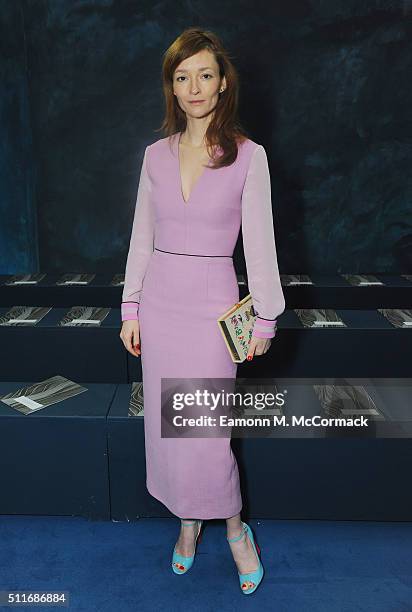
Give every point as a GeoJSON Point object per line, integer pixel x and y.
{"type": "Point", "coordinates": [224, 130]}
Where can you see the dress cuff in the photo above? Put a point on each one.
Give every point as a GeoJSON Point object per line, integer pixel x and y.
{"type": "Point", "coordinates": [129, 311]}
{"type": "Point", "coordinates": [264, 328]}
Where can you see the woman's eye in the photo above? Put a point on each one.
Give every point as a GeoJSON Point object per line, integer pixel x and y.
{"type": "Point", "coordinates": [183, 77]}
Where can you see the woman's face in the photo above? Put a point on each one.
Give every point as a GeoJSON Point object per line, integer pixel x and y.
{"type": "Point", "coordinates": [197, 78]}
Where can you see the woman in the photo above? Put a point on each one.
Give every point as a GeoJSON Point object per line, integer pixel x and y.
{"type": "Point", "coordinates": [197, 187]}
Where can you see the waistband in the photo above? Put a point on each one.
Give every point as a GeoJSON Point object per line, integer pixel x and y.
{"type": "Point", "coordinates": [191, 254]}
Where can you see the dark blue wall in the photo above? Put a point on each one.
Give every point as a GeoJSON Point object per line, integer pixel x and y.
{"type": "Point", "coordinates": [18, 203]}
{"type": "Point", "coordinates": [325, 87]}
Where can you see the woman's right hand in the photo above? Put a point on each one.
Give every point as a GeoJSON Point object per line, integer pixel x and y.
{"type": "Point", "coordinates": [130, 335]}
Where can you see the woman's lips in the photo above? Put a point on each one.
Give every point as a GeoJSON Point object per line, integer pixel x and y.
{"type": "Point", "coordinates": [196, 101]}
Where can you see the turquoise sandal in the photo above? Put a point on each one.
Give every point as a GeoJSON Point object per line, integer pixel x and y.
{"type": "Point", "coordinates": [181, 564]}
{"type": "Point", "coordinates": [254, 577]}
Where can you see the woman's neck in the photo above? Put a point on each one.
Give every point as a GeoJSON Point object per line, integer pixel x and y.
{"type": "Point", "coordinates": [193, 137]}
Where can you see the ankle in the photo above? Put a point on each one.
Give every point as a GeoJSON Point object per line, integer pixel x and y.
{"type": "Point", "coordinates": [234, 533]}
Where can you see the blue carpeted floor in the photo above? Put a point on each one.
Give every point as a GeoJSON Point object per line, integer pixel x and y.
{"type": "Point", "coordinates": [310, 565]}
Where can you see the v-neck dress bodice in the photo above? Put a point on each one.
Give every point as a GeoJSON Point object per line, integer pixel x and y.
{"type": "Point", "coordinates": [202, 171]}
{"type": "Point", "coordinates": [221, 202]}
{"type": "Point", "coordinates": [179, 279]}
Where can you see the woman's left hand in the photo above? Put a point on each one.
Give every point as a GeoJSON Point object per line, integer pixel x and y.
{"type": "Point", "coordinates": [258, 346]}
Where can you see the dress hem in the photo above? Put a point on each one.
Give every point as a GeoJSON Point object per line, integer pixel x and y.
{"type": "Point", "coordinates": [208, 516]}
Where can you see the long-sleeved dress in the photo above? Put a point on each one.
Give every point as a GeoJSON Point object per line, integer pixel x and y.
{"type": "Point", "coordinates": [179, 279]}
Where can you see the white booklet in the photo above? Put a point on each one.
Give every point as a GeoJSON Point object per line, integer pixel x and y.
{"type": "Point", "coordinates": [398, 317]}
{"type": "Point", "coordinates": [25, 279]}
{"type": "Point", "coordinates": [362, 280]}
{"type": "Point", "coordinates": [75, 279]}
{"type": "Point", "coordinates": [24, 315]}
{"type": "Point", "coordinates": [347, 401]}
{"type": "Point", "coordinates": [136, 406]}
{"type": "Point", "coordinates": [295, 279]}
{"type": "Point", "coordinates": [117, 280]}
{"type": "Point", "coordinates": [84, 316]}
{"type": "Point", "coordinates": [318, 317]}
{"type": "Point", "coordinates": [41, 394]}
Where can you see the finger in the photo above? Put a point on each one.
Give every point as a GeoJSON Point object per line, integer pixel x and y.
{"type": "Point", "coordinates": [130, 346]}
{"type": "Point", "coordinates": [267, 345]}
{"type": "Point", "coordinates": [251, 351]}
{"type": "Point", "coordinates": [136, 340]}
{"type": "Point", "coordinates": [261, 344]}
{"type": "Point", "coordinates": [134, 352]}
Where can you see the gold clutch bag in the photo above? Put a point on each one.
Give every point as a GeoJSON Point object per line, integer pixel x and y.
{"type": "Point", "coordinates": [236, 325]}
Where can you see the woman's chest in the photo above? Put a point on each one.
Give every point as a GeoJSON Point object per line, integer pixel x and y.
{"type": "Point", "coordinates": [192, 164]}
{"type": "Point", "coordinates": [186, 189]}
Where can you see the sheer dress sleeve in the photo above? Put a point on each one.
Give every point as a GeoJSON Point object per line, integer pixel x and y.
{"type": "Point", "coordinates": [141, 246]}
{"type": "Point", "coordinates": [259, 246]}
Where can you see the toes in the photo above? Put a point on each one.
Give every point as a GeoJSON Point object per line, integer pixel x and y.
{"type": "Point", "coordinates": [179, 566]}
{"type": "Point", "coordinates": [247, 585]}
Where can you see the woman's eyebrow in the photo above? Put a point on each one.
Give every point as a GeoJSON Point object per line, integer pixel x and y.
{"type": "Point", "coordinates": [204, 68]}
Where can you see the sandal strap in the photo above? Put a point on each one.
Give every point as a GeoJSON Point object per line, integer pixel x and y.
{"type": "Point", "coordinates": [235, 539]}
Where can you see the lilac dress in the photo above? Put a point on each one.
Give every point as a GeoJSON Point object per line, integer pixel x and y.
{"type": "Point", "coordinates": [179, 279]}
